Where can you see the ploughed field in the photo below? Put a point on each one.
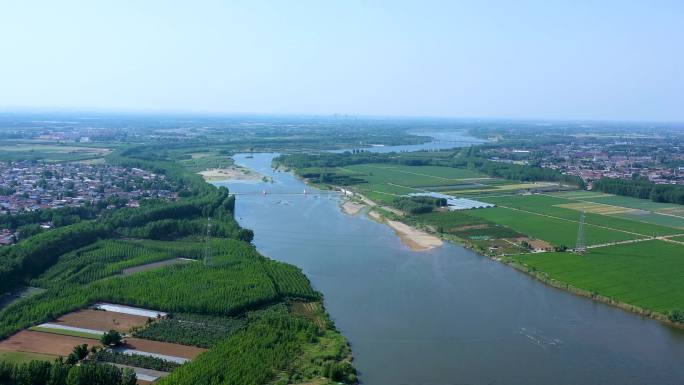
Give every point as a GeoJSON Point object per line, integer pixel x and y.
{"type": "Point", "coordinates": [635, 247]}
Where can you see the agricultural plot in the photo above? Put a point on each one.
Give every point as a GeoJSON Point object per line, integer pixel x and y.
{"type": "Point", "coordinates": [647, 274]}
{"type": "Point", "coordinates": [191, 329]}
{"type": "Point", "coordinates": [59, 337]}
{"type": "Point", "coordinates": [466, 226]}
{"type": "Point", "coordinates": [503, 188]}
{"type": "Point", "coordinates": [102, 320]}
{"type": "Point", "coordinates": [66, 330]}
{"type": "Point", "coordinates": [555, 231]}
{"type": "Point", "coordinates": [43, 343]}
{"type": "Point", "coordinates": [386, 181]}
{"type": "Point", "coordinates": [389, 181]}
{"type": "Point", "coordinates": [23, 357]}
{"type": "Point", "coordinates": [641, 210]}
{"type": "Point", "coordinates": [413, 176]}
{"type": "Point", "coordinates": [552, 207]}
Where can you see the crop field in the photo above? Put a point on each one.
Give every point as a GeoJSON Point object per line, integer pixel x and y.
{"type": "Point", "coordinates": [66, 332]}
{"type": "Point", "coordinates": [101, 320]}
{"type": "Point", "coordinates": [555, 231]}
{"type": "Point", "coordinates": [384, 182]}
{"type": "Point", "coordinates": [43, 343]}
{"type": "Point", "coordinates": [550, 207]}
{"type": "Point", "coordinates": [647, 274]}
{"type": "Point", "coordinates": [641, 210]}
{"type": "Point", "coordinates": [464, 225]}
{"type": "Point", "coordinates": [192, 329]}
{"type": "Point", "coordinates": [393, 180]}
{"type": "Point", "coordinates": [165, 348]}
{"type": "Point", "coordinates": [23, 357]}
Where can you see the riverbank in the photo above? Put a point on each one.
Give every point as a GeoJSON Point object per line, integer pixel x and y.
{"type": "Point", "coordinates": [403, 309]}
{"type": "Point", "coordinates": [412, 237]}
{"type": "Point", "coordinates": [351, 207]}
{"type": "Point", "coordinates": [420, 240]}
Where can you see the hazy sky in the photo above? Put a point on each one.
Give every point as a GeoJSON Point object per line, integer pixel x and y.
{"type": "Point", "coordinates": [598, 59]}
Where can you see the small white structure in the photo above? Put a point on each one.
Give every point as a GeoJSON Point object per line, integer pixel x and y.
{"type": "Point", "coordinates": [129, 310]}
{"type": "Point", "coordinates": [454, 203]}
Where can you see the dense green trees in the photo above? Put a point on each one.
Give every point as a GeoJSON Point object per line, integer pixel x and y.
{"type": "Point", "coordinates": [238, 280]}
{"type": "Point", "coordinates": [59, 217]}
{"type": "Point", "coordinates": [641, 188]}
{"type": "Point", "coordinates": [418, 204]}
{"type": "Point", "coordinates": [111, 338]}
{"type": "Point", "coordinates": [62, 373]}
{"type": "Point", "coordinates": [138, 361]}
{"type": "Point", "coordinates": [251, 356]}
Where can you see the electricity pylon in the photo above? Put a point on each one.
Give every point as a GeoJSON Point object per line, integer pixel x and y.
{"type": "Point", "coordinates": [207, 246]}
{"type": "Point", "coordinates": [580, 245]}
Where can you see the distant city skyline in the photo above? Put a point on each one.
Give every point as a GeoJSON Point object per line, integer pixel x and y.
{"type": "Point", "coordinates": [546, 60]}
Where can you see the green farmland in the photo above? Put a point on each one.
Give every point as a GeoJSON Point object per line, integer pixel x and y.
{"type": "Point", "coordinates": [624, 261]}
{"type": "Point", "coordinates": [646, 274]}
{"type": "Point", "coordinates": [555, 231]}
{"type": "Point", "coordinates": [549, 206]}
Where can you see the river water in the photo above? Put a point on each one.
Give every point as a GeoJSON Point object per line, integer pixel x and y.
{"type": "Point", "coordinates": [448, 315]}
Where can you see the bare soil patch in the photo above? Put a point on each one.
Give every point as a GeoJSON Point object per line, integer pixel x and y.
{"type": "Point", "coordinates": [538, 244]}
{"type": "Point", "coordinates": [351, 208]}
{"type": "Point", "coordinates": [415, 239]}
{"type": "Point", "coordinates": [44, 343]}
{"type": "Point", "coordinates": [470, 227]}
{"type": "Point", "coordinates": [102, 320]}
{"type": "Point", "coordinates": [165, 348]}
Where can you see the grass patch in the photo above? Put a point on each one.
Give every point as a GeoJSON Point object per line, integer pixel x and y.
{"type": "Point", "coordinates": [555, 231]}
{"type": "Point", "coordinates": [63, 332]}
{"type": "Point", "coordinates": [24, 357]}
{"type": "Point", "coordinates": [646, 274]}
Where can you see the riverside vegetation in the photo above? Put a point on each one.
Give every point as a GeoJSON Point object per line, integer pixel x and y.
{"type": "Point", "coordinates": [241, 301]}
{"type": "Point", "coordinates": [633, 245]}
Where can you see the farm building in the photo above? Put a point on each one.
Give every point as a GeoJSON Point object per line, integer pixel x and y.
{"type": "Point", "coordinates": [455, 203]}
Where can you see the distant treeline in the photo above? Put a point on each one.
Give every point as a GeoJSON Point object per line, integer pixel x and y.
{"type": "Point", "coordinates": [641, 188]}
{"type": "Point", "coordinates": [467, 158]}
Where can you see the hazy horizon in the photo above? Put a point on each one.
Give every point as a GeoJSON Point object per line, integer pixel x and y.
{"type": "Point", "coordinates": [531, 60]}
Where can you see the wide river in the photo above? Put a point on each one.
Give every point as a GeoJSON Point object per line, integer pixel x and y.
{"type": "Point", "coordinates": [447, 316]}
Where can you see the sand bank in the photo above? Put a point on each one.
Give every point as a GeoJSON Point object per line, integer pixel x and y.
{"type": "Point", "coordinates": [416, 239]}
{"type": "Point", "coordinates": [230, 173]}
{"type": "Point", "coordinates": [351, 208]}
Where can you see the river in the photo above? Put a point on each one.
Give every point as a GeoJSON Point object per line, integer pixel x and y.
{"type": "Point", "coordinates": [447, 316]}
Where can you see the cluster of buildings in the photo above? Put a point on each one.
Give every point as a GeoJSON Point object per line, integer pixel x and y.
{"type": "Point", "coordinates": [27, 186]}
{"type": "Point", "coordinates": [658, 160]}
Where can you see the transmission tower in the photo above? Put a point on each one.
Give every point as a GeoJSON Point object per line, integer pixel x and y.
{"type": "Point", "coordinates": [207, 246]}
{"type": "Point", "coordinates": [580, 245]}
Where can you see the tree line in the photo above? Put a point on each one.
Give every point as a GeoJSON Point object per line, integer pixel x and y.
{"type": "Point", "coordinates": [60, 372]}
{"type": "Point", "coordinates": [641, 188]}
{"type": "Point", "coordinates": [313, 165]}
